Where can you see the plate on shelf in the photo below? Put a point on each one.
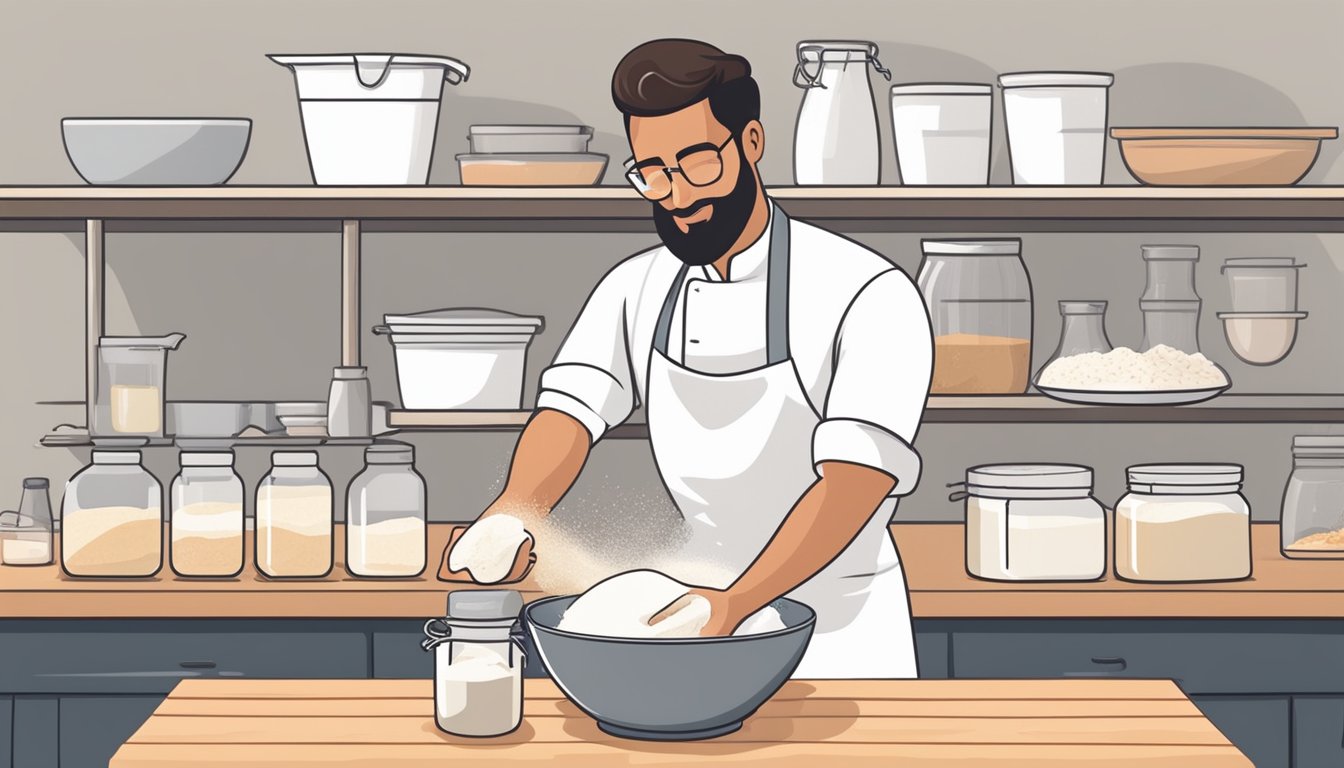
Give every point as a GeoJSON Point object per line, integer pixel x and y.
{"type": "Point", "coordinates": [1150, 397]}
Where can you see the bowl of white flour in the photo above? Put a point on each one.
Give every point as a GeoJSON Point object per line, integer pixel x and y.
{"type": "Point", "coordinates": [670, 688]}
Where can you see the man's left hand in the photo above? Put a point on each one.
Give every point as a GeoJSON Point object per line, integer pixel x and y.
{"type": "Point", "coordinates": [725, 612]}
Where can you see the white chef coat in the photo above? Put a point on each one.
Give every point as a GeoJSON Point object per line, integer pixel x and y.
{"type": "Point", "coordinates": [859, 338]}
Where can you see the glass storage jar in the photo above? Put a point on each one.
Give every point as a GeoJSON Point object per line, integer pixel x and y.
{"type": "Point", "coordinates": [1312, 523]}
{"type": "Point", "coordinates": [112, 519]}
{"type": "Point", "coordinates": [478, 663]}
{"type": "Point", "coordinates": [385, 515]}
{"type": "Point", "coordinates": [1033, 522]}
{"type": "Point", "coordinates": [207, 517]}
{"type": "Point", "coordinates": [294, 518]}
{"type": "Point", "coordinates": [1083, 330]}
{"type": "Point", "coordinates": [26, 535]}
{"type": "Point", "coordinates": [130, 398]}
{"type": "Point", "coordinates": [979, 301]}
{"type": "Point", "coordinates": [1182, 523]}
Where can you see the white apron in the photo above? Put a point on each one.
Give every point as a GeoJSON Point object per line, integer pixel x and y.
{"type": "Point", "coordinates": [735, 452]}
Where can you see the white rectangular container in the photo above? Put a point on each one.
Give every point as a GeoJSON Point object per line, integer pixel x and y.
{"type": "Point", "coordinates": [1056, 126]}
{"type": "Point", "coordinates": [942, 132]}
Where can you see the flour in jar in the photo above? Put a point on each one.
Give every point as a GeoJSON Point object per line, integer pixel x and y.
{"type": "Point", "coordinates": [112, 541]}
{"type": "Point", "coordinates": [393, 547]}
{"type": "Point", "coordinates": [207, 539]}
{"type": "Point", "coordinates": [477, 691]}
{"type": "Point", "coordinates": [294, 530]}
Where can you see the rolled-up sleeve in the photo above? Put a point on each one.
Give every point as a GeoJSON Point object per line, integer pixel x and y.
{"type": "Point", "coordinates": [880, 382]}
{"type": "Point", "coordinates": [591, 378]}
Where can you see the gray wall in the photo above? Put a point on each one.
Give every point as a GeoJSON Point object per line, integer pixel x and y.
{"type": "Point", "coordinates": [261, 311]}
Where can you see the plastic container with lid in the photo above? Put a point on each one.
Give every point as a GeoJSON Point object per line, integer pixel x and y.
{"type": "Point", "coordinates": [1312, 523]}
{"type": "Point", "coordinates": [942, 132]}
{"type": "Point", "coordinates": [1183, 523]}
{"type": "Point", "coordinates": [385, 519]}
{"type": "Point", "coordinates": [112, 519]}
{"type": "Point", "coordinates": [26, 535]}
{"type": "Point", "coordinates": [294, 518]}
{"type": "Point", "coordinates": [207, 516]}
{"type": "Point", "coordinates": [979, 300]}
{"type": "Point", "coordinates": [1033, 522]}
{"type": "Point", "coordinates": [464, 358]}
{"type": "Point", "coordinates": [478, 663]}
{"type": "Point", "coordinates": [1056, 126]}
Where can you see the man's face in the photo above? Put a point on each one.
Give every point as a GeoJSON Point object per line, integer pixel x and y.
{"type": "Point", "coordinates": [699, 224]}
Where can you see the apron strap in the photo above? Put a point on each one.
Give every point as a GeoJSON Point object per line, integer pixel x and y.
{"type": "Point", "coordinates": [776, 301]}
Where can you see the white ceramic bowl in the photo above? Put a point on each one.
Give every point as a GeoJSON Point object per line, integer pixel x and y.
{"type": "Point", "coordinates": [1261, 338]}
{"type": "Point", "coordinates": [156, 151]}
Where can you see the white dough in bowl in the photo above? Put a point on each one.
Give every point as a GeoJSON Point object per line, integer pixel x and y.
{"type": "Point", "coordinates": [622, 605]}
{"type": "Point", "coordinates": [489, 548]}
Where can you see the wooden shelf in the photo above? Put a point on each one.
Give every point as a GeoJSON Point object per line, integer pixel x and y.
{"type": "Point", "coordinates": [1013, 409]}
{"type": "Point", "coordinates": [616, 208]}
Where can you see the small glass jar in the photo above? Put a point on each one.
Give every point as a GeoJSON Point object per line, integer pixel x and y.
{"type": "Point", "coordinates": [27, 538]}
{"type": "Point", "coordinates": [478, 663]}
{"type": "Point", "coordinates": [979, 301]}
{"type": "Point", "coordinates": [112, 519]}
{"type": "Point", "coordinates": [385, 515]}
{"type": "Point", "coordinates": [1312, 523]}
{"type": "Point", "coordinates": [1183, 523]}
{"type": "Point", "coordinates": [1033, 522]}
{"type": "Point", "coordinates": [294, 518]}
{"type": "Point", "coordinates": [207, 517]}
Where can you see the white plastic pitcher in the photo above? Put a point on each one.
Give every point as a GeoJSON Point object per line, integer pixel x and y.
{"type": "Point", "coordinates": [836, 139]}
{"type": "Point", "coordinates": [371, 118]}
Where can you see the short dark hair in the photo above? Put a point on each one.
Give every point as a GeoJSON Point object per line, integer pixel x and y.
{"type": "Point", "coordinates": [663, 76]}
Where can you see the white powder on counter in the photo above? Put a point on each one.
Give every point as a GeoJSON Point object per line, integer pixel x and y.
{"type": "Point", "coordinates": [1124, 370]}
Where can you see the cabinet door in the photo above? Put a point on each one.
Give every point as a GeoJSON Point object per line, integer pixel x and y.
{"type": "Point", "coordinates": [94, 727]}
{"type": "Point", "coordinates": [1258, 726]}
{"type": "Point", "coordinates": [6, 732]}
{"type": "Point", "coordinates": [931, 648]}
{"type": "Point", "coordinates": [1318, 732]}
{"type": "Point", "coordinates": [36, 735]}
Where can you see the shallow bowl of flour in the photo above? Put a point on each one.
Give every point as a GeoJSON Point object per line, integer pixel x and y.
{"type": "Point", "coordinates": [669, 689]}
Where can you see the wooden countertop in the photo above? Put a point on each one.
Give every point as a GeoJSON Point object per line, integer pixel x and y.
{"type": "Point", "coordinates": [933, 554]}
{"type": "Point", "coordinates": [377, 723]}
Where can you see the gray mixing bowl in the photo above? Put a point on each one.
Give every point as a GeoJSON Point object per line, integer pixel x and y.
{"type": "Point", "coordinates": [669, 689]}
{"type": "Point", "coordinates": [156, 151]}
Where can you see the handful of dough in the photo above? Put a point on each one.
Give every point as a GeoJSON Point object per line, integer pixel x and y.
{"type": "Point", "coordinates": [622, 605]}
{"type": "Point", "coordinates": [489, 548]}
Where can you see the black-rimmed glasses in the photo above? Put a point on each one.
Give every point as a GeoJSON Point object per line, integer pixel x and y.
{"type": "Point", "coordinates": [700, 164]}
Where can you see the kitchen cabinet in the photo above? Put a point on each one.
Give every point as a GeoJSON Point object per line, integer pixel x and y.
{"type": "Point", "coordinates": [92, 727]}
{"type": "Point", "coordinates": [36, 732]}
{"type": "Point", "coordinates": [1259, 726]}
{"type": "Point", "coordinates": [6, 731]}
{"type": "Point", "coordinates": [1318, 731]}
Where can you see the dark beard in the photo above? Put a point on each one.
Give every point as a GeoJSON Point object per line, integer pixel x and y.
{"type": "Point", "coordinates": [707, 241]}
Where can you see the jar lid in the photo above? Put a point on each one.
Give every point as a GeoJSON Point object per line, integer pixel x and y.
{"type": "Point", "coordinates": [1072, 477]}
{"type": "Point", "coordinates": [207, 459]}
{"type": "Point", "coordinates": [390, 453]}
{"type": "Point", "coordinates": [294, 459]}
{"type": "Point", "coordinates": [484, 604]}
{"type": "Point", "coordinates": [1170, 252]}
{"type": "Point", "coordinates": [349, 372]}
{"type": "Point", "coordinates": [1056, 79]}
{"type": "Point", "coordinates": [998, 247]}
{"type": "Point", "coordinates": [1185, 475]}
{"type": "Point", "coordinates": [811, 50]}
{"type": "Point", "coordinates": [116, 457]}
{"type": "Point", "coordinates": [1262, 262]}
{"type": "Point", "coordinates": [36, 483]}
{"type": "Point", "coordinates": [1325, 446]}
{"type": "Point", "coordinates": [941, 89]}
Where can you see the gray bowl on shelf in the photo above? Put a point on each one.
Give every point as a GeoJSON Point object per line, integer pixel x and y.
{"type": "Point", "coordinates": [144, 151]}
{"type": "Point", "coordinates": [668, 689]}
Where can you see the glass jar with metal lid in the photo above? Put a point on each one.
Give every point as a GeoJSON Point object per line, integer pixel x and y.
{"type": "Point", "coordinates": [1182, 523]}
{"type": "Point", "coordinates": [478, 663]}
{"type": "Point", "coordinates": [385, 515]}
{"type": "Point", "coordinates": [294, 518]}
{"type": "Point", "coordinates": [979, 300]}
{"type": "Point", "coordinates": [112, 519]}
{"type": "Point", "coordinates": [1312, 522]}
{"type": "Point", "coordinates": [207, 516]}
{"type": "Point", "coordinates": [1033, 522]}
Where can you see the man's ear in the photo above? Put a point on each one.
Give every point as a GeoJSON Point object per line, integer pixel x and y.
{"type": "Point", "coordinates": [753, 141]}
